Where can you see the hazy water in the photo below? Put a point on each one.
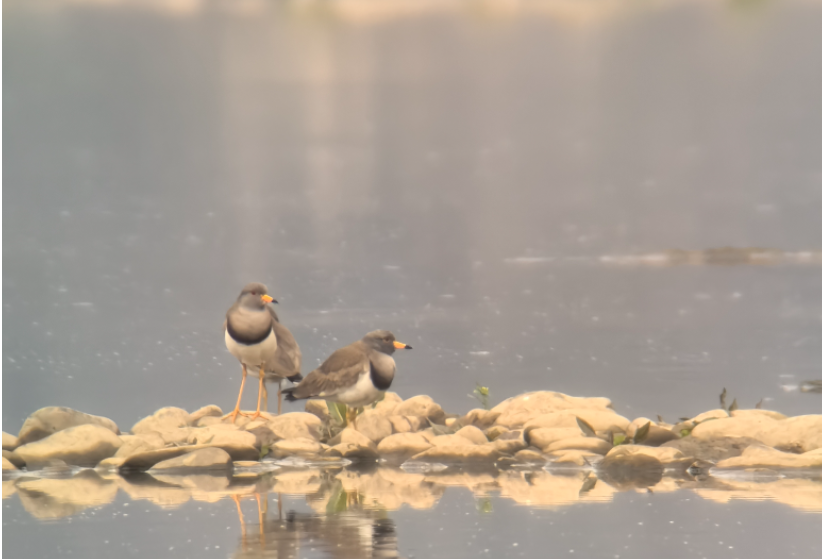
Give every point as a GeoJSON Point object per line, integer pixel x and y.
{"type": "Point", "coordinates": [452, 172]}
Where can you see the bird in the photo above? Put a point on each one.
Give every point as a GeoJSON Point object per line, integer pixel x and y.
{"type": "Point", "coordinates": [355, 375]}
{"type": "Point", "coordinates": [286, 363]}
{"type": "Point", "coordinates": [250, 336]}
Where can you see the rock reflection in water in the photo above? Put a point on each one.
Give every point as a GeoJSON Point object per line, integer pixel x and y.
{"type": "Point", "coordinates": [342, 497]}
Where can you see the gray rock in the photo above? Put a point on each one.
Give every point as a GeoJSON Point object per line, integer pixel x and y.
{"type": "Point", "coordinates": [296, 425]}
{"type": "Point", "coordinates": [206, 411]}
{"type": "Point", "coordinates": [7, 465]}
{"type": "Point", "coordinates": [10, 442]}
{"type": "Point", "coordinates": [759, 456]}
{"type": "Point", "coordinates": [510, 442]}
{"type": "Point", "coordinates": [459, 454]}
{"type": "Point", "coordinates": [319, 408]}
{"type": "Point", "coordinates": [628, 471]}
{"type": "Point", "coordinates": [163, 419]}
{"type": "Point", "coordinates": [591, 444]}
{"type": "Point", "coordinates": [145, 460]}
{"type": "Point", "coordinates": [301, 447]}
{"type": "Point", "coordinates": [373, 425]}
{"type": "Point", "coordinates": [84, 445]}
{"type": "Point", "coordinates": [712, 449]}
{"type": "Point", "coordinates": [353, 452]}
{"type": "Point", "coordinates": [47, 421]}
{"type": "Point", "coordinates": [401, 446]}
{"type": "Point", "coordinates": [203, 459]}
{"type": "Point", "coordinates": [350, 436]}
{"type": "Point", "coordinates": [480, 418]}
{"type": "Point", "coordinates": [423, 406]}
{"type": "Point", "coordinates": [530, 456]}
{"type": "Point", "coordinates": [217, 435]}
{"type": "Point", "coordinates": [473, 434]}
{"type": "Point", "coordinates": [12, 457]}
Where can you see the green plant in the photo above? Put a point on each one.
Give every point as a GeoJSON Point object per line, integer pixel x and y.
{"type": "Point", "coordinates": [481, 394]}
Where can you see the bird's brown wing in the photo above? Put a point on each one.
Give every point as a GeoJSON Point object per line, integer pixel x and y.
{"type": "Point", "coordinates": [339, 371]}
{"type": "Point", "coordinates": [288, 358]}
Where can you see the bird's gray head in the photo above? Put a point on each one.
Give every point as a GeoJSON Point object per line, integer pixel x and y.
{"type": "Point", "coordinates": [383, 341]}
{"type": "Point", "coordinates": [255, 296]}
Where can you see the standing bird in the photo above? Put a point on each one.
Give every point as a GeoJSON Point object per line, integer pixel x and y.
{"type": "Point", "coordinates": [355, 375]}
{"type": "Point", "coordinates": [251, 338]}
{"type": "Point", "coordinates": [286, 363]}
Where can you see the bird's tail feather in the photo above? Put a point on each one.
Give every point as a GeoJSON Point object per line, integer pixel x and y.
{"type": "Point", "coordinates": [288, 393]}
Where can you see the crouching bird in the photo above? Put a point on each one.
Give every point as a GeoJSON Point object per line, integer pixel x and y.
{"type": "Point", "coordinates": [355, 375]}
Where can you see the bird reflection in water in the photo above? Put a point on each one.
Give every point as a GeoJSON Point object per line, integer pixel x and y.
{"type": "Point", "coordinates": [350, 533]}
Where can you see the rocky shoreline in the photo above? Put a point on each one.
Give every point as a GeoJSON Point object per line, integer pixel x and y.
{"type": "Point", "coordinates": [543, 429]}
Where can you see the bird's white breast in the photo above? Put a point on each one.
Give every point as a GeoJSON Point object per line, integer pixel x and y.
{"type": "Point", "coordinates": [362, 393]}
{"type": "Point", "coordinates": [253, 356]}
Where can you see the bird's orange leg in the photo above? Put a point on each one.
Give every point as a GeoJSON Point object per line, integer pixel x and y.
{"type": "Point", "coordinates": [260, 391]}
{"type": "Point", "coordinates": [279, 396]}
{"type": "Point", "coordinates": [237, 411]}
{"type": "Point", "coordinates": [261, 516]}
{"type": "Point", "coordinates": [265, 398]}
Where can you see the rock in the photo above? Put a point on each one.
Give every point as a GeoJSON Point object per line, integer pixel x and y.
{"type": "Point", "coordinates": [112, 463]}
{"type": "Point", "coordinates": [407, 423]}
{"type": "Point", "coordinates": [319, 408]}
{"type": "Point", "coordinates": [7, 465]}
{"type": "Point", "coordinates": [515, 412]}
{"type": "Point", "coordinates": [576, 458]}
{"type": "Point", "coordinates": [175, 436]}
{"type": "Point", "coordinates": [133, 445]}
{"type": "Point", "coordinates": [163, 419]}
{"type": "Point", "coordinates": [209, 420]}
{"type": "Point", "coordinates": [46, 498]}
{"type": "Point", "coordinates": [12, 457]}
{"type": "Point", "coordinates": [203, 459]}
{"type": "Point", "coordinates": [450, 440]}
{"type": "Point", "coordinates": [376, 427]}
{"type": "Point", "coordinates": [423, 406]}
{"type": "Point", "coordinates": [388, 404]}
{"type": "Point", "coordinates": [630, 470]}
{"type": "Point", "coordinates": [215, 436]}
{"type": "Point", "coordinates": [766, 413]}
{"type": "Point", "coordinates": [592, 444]}
{"type": "Point", "coordinates": [600, 420]}
{"type": "Point", "coordinates": [206, 411]}
{"type": "Point", "coordinates": [510, 442]}
{"type": "Point", "coordinates": [656, 435]}
{"type": "Point", "coordinates": [350, 436]}
{"type": "Point", "coordinates": [83, 445]}
{"type": "Point", "coordinates": [480, 418]}
{"type": "Point", "coordinates": [296, 425]}
{"type": "Point", "coordinates": [47, 421]}
{"type": "Point", "coordinates": [355, 453]}
{"type": "Point", "coordinates": [303, 447]}
{"type": "Point", "coordinates": [473, 434]}
{"type": "Point", "coordinates": [530, 456]}
{"type": "Point", "coordinates": [760, 456]}
{"type": "Point", "coordinates": [459, 454]}
{"type": "Point", "coordinates": [494, 432]}
{"type": "Point", "coordinates": [145, 460]}
{"type": "Point", "coordinates": [263, 436]}
{"type": "Point", "coordinates": [450, 421]}
{"type": "Point", "coordinates": [544, 436]}
{"type": "Point", "coordinates": [712, 414]}
{"type": "Point", "coordinates": [10, 442]}
{"type": "Point", "coordinates": [795, 434]}
{"type": "Point", "coordinates": [711, 449]}
{"type": "Point", "coordinates": [662, 454]}
{"type": "Point", "coordinates": [401, 446]}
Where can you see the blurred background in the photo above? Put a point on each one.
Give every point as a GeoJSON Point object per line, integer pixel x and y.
{"type": "Point", "coordinates": [603, 198]}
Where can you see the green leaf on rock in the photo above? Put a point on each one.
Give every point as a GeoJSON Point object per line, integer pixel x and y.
{"type": "Point", "coordinates": [643, 432]}
{"type": "Point", "coordinates": [337, 413]}
{"type": "Point", "coordinates": [733, 406]}
{"type": "Point", "coordinates": [619, 438]}
{"type": "Point", "coordinates": [264, 450]}
{"type": "Point", "coordinates": [587, 429]}
{"type": "Point", "coordinates": [685, 433]}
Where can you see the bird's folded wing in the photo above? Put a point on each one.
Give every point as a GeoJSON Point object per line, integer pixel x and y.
{"type": "Point", "coordinates": [288, 358]}
{"type": "Point", "coordinates": [341, 370]}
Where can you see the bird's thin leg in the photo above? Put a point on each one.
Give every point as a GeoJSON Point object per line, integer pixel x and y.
{"type": "Point", "coordinates": [256, 414]}
{"type": "Point", "coordinates": [265, 398]}
{"type": "Point", "coordinates": [351, 415]}
{"type": "Point", "coordinates": [261, 515]}
{"type": "Point", "coordinates": [279, 396]}
{"type": "Point", "coordinates": [237, 411]}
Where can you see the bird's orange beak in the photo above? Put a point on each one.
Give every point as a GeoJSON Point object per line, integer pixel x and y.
{"type": "Point", "coordinates": [401, 345]}
{"type": "Point", "coordinates": [268, 299]}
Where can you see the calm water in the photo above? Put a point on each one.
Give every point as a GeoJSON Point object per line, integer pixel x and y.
{"type": "Point", "coordinates": [453, 172]}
